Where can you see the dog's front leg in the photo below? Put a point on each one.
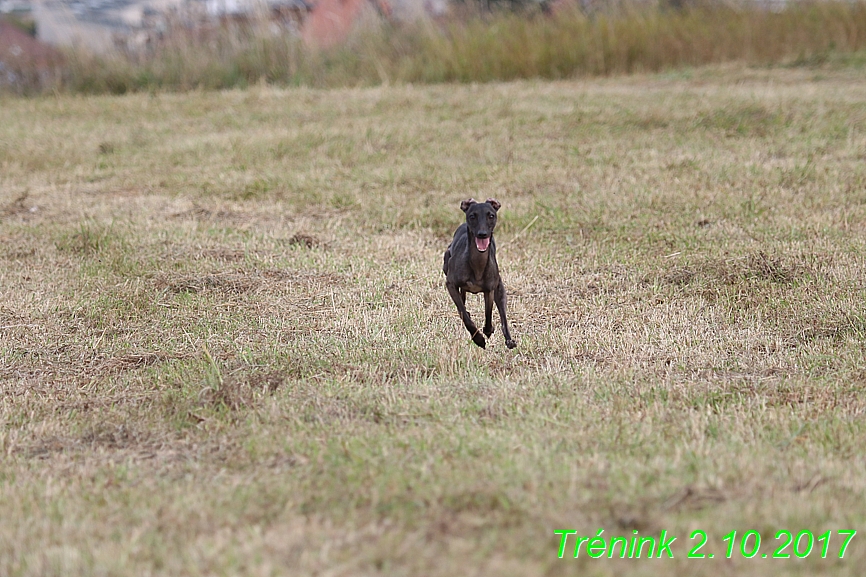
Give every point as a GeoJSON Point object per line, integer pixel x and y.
{"type": "Point", "coordinates": [488, 313]}
{"type": "Point", "coordinates": [499, 296]}
{"type": "Point", "coordinates": [477, 337]}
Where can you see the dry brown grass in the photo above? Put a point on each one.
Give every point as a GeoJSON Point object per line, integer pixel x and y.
{"type": "Point", "coordinates": [225, 347]}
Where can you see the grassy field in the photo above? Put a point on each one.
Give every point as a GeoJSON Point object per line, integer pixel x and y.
{"type": "Point", "coordinates": [226, 348]}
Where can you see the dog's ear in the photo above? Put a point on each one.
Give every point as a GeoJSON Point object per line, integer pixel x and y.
{"type": "Point", "coordinates": [494, 203]}
{"type": "Point", "coordinates": [464, 206]}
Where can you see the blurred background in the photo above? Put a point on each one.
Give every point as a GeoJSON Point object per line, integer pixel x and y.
{"type": "Point", "coordinates": [117, 46]}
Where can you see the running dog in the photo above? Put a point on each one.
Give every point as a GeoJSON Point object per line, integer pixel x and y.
{"type": "Point", "coordinates": [470, 266]}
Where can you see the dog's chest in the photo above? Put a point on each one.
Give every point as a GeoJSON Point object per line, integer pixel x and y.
{"type": "Point", "coordinates": [477, 281]}
{"type": "Point", "coordinates": [479, 274]}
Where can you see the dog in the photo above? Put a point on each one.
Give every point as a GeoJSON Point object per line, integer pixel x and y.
{"type": "Point", "coordinates": [470, 266]}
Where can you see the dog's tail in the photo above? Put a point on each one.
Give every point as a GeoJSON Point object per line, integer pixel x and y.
{"type": "Point", "coordinates": [446, 258]}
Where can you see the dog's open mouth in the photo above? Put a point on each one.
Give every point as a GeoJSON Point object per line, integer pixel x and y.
{"type": "Point", "coordinates": [482, 243]}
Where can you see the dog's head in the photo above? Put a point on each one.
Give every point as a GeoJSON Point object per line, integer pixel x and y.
{"type": "Point", "coordinates": [481, 220]}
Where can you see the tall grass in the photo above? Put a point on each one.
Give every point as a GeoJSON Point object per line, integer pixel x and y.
{"type": "Point", "coordinates": [503, 46]}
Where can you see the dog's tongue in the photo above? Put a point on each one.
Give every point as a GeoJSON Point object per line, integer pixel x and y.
{"type": "Point", "coordinates": [482, 243]}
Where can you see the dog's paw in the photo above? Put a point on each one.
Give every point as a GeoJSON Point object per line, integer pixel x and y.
{"type": "Point", "coordinates": [510, 344]}
{"type": "Point", "coordinates": [479, 340]}
{"type": "Point", "coordinates": [488, 331]}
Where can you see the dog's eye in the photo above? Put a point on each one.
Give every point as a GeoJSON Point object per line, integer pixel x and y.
{"type": "Point", "coordinates": [471, 217]}
{"type": "Point", "coordinates": [489, 217]}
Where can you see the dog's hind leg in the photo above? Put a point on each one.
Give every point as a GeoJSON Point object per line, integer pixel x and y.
{"type": "Point", "coordinates": [499, 297]}
{"type": "Point", "coordinates": [446, 257]}
{"type": "Point", "coordinates": [458, 299]}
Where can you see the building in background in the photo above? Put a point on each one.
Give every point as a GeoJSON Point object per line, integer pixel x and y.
{"type": "Point", "coordinates": [137, 25]}
{"type": "Point", "coordinates": [26, 64]}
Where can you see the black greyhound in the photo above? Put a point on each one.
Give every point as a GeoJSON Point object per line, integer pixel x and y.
{"type": "Point", "coordinates": [470, 266]}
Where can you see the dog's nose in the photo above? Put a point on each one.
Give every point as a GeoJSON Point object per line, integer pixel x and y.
{"type": "Point", "coordinates": [481, 235]}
